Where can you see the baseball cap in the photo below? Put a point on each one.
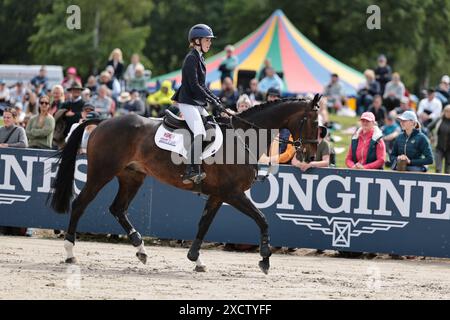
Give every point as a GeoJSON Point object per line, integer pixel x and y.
{"type": "Point", "coordinates": [408, 116]}
{"type": "Point", "coordinates": [89, 106]}
{"type": "Point", "coordinates": [445, 78]}
{"type": "Point", "coordinates": [369, 116]}
{"type": "Point", "coordinates": [92, 115]}
{"type": "Point", "coordinates": [274, 92]}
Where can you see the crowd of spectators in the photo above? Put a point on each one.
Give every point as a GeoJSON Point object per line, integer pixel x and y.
{"type": "Point", "coordinates": [392, 132]}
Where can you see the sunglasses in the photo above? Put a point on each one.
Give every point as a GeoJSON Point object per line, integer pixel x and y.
{"type": "Point", "coordinates": [44, 102]}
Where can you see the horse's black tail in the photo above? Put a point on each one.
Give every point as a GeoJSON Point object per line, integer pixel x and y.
{"type": "Point", "coordinates": [62, 188]}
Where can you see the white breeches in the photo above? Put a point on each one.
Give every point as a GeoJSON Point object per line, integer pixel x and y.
{"type": "Point", "coordinates": [192, 115]}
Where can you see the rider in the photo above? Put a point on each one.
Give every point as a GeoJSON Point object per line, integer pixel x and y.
{"type": "Point", "coordinates": [193, 95]}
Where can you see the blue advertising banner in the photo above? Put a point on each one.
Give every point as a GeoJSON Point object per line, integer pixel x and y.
{"type": "Point", "coordinates": [350, 210]}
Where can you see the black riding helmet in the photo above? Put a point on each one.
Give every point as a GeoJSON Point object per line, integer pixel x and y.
{"type": "Point", "coordinates": [200, 31]}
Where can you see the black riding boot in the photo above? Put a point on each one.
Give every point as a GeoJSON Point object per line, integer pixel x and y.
{"type": "Point", "coordinates": [193, 170]}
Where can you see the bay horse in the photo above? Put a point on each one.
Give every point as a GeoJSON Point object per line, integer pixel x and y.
{"type": "Point", "coordinates": [124, 147]}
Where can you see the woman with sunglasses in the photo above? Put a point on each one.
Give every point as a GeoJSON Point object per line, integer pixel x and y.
{"type": "Point", "coordinates": [40, 127]}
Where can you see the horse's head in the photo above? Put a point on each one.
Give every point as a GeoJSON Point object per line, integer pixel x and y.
{"type": "Point", "coordinates": [304, 129]}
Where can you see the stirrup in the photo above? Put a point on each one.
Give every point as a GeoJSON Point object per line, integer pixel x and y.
{"type": "Point", "coordinates": [195, 175]}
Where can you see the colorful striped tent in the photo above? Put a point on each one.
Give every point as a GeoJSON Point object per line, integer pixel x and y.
{"type": "Point", "coordinates": [305, 67]}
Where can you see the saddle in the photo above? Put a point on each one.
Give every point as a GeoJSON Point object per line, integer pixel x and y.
{"type": "Point", "coordinates": [168, 137]}
{"type": "Point", "coordinates": [173, 122]}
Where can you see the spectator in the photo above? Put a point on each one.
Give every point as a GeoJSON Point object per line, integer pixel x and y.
{"type": "Point", "coordinates": [430, 108]}
{"type": "Point", "coordinates": [18, 94]}
{"type": "Point", "coordinates": [367, 91]}
{"type": "Point", "coordinates": [394, 92]}
{"type": "Point", "coordinates": [12, 135]}
{"type": "Point", "coordinates": [88, 113]}
{"type": "Point", "coordinates": [71, 78]}
{"type": "Point", "coordinates": [107, 78]}
{"type": "Point", "coordinates": [135, 104]}
{"type": "Point", "coordinates": [161, 99]}
{"type": "Point", "coordinates": [74, 106]}
{"type": "Point", "coordinates": [123, 99]}
{"type": "Point", "coordinates": [367, 149]}
{"type": "Point", "coordinates": [102, 102]}
{"type": "Point", "coordinates": [404, 106]}
{"type": "Point", "coordinates": [92, 84]}
{"type": "Point", "coordinates": [271, 80]}
{"type": "Point", "coordinates": [273, 94]}
{"type": "Point", "coordinates": [378, 110]}
{"type": "Point", "coordinates": [40, 127]}
{"type": "Point", "coordinates": [131, 69]}
{"type": "Point", "coordinates": [442, 92]}
{"type": "Point", "coordinates": [383, 73]}
{"type": "Point", "coordinates": [263, 71]}
{"type": "Point", "coordinates": [412, 150]}
{"type": "Point", "coordinates": [391, 131]}
{"type": "Point", "coordinates": [86, 94]}
{"type": "Point", "coordinates": [139, 81]}
{"type": "Point", "coordinates": [280, 151]}
{"type": "Point", "coordinates": [58, 98]}
{"type": "Point", "coordinates": [31, 105]}
{"type": "Point", "coordinates": [20, 114]}
{"type": "Point", "coordinates": [116, 61]}
{"type": "Point", "coordinates": [253, 93]}
{"type": "Point", "coordinates": [334, 92]}
{"type": "Point", "coordinates": [441, 127]}
{"type": "Point", "coordinates": [228, 64]}
{"type": "Point", "coordinates": [244, 103]}
{"type": "Point", "coordinates": [228, 96]}
{"type": "Point", "coordinates": [4, 96]}
{"type": "Point", "coordinates": [322, 158]}
{"type": "Point", "coordinates": [40, 82]}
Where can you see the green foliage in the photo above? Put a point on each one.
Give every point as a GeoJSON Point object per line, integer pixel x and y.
{"type": "Point", "coordinates": [16, 23]}
{"type": "Point", "coordinates": [119, 24]}
{"type": "Point", "coordinates": [414, 33]}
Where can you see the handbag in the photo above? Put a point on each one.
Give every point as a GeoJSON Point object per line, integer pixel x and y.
{"type": "Point", "coordinates": [9, 135]}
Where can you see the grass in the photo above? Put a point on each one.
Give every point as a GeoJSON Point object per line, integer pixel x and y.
{"type": "Point", "coordinates": [345, 122]}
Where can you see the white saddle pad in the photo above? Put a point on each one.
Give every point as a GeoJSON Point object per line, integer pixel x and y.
{"type": "Point", "coordinates": [174, 141]}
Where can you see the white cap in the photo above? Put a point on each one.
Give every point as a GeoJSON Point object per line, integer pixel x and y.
{"type": "Point", "coordinates": [445, 78]}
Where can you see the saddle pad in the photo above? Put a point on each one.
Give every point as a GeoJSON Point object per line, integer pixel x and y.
{"type": "Point", "coordinates": [174, 140]}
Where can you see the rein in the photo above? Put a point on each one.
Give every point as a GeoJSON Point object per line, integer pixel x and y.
{"type": "Point", "coordinates": [298, 144]}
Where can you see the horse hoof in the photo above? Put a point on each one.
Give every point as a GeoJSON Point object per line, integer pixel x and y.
{"type": "Point", "coordinates": [142, 257]}
{"type": "Point", "coordinates": [264, 265]}
{"type": "Point", "coordinates": [200, 269]}
{"type": "Point", "coordinates": [192, 256]}
{"type": "Point", "coordinates": [72, 260]}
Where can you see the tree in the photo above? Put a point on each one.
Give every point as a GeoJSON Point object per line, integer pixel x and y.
{"type": "Point", "coordinates": [105, 25]}
{"type": "Point", "coordinates": [171, 21]}
{"type": "Point", "coordinates": [16, 21]}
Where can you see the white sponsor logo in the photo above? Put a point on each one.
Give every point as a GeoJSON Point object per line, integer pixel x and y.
{"type": "Point", "coordinates": [11, 198]}
{"type": "Point", "coordinates": [342, 229]}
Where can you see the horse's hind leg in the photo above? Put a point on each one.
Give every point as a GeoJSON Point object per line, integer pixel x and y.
{"type": "Point", "coordinates": [129, 183]}
{"type": "Point", "coordinates": [86, 195]}
{"type": "Point", "coordinates": [212, 206]}
{"type": "Point", "coordinates": [243, 204]}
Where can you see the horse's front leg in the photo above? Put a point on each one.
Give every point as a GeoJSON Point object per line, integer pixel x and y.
{"type": "Point", "coordinates": [241, 202]}
{"type": "Point", "coordinates": [212, 206]}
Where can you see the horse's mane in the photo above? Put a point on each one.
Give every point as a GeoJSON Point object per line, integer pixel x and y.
{"type": "Point", "coordinates": [266, 105]}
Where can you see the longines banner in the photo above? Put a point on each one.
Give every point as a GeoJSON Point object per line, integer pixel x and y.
{"type": "Point", "coordinates": [350, 210]}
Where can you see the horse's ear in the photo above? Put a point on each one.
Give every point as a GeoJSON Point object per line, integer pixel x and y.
{"type": "Point", "coordinates": [316, 100]}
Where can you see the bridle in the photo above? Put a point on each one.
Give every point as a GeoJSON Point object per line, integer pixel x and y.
{"type": "Point", "coordinates": [297, 144]}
